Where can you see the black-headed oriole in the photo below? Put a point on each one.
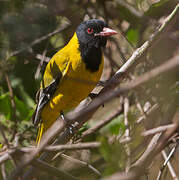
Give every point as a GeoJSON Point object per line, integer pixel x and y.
{"type": "Point", "coordinates": [72, 73]}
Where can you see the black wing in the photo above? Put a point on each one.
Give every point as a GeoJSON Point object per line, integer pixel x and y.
{"type": "Point", "coordinates": [44, 97]}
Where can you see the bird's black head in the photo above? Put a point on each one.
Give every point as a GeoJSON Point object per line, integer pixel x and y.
{"type": "Point", "coordinates": [86, 33]}
{"type": "Point", "coordinates": [92, 35]}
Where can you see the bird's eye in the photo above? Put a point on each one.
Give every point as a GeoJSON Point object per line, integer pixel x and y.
{"type": "Point", "coordinates": [90, 30]}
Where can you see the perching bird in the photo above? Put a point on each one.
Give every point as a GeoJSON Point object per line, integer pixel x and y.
{"type": "Point", "coordinates": [72, 73]}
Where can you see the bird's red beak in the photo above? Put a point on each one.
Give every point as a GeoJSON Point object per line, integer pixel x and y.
{"type": "Point", "coordinates": [106, 32]}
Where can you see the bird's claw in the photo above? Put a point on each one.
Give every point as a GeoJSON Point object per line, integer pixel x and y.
{"type": "Point", "coordinates": [72, 127]}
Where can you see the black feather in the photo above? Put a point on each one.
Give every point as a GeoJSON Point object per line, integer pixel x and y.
{"type": "Point", "coordinates": [90, 45]}
{"type": "Point", "coordinates": [44, 97]}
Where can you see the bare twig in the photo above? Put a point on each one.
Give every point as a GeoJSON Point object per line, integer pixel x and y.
{"type": "Point", "coordinates": [157, 130]}
{"type": "Point", "coordinates": [167, 163]}
{"type": "Point", "coordinates": [3, 171]}
{"type": "Point", "coordinates": [82, 163]}
{"type": "Point", "coordinates": [78, 146]}
{"type": "Point", "coordinates": [41, 63]}
{"type": "Point", "coordinates": [41, 165]}
{"type": "Point", "coordinates": [152, 109]}
{"type": "Point", "coordinates": [127, 132]}
{"type": "Point", "coordinates": [102, 123]}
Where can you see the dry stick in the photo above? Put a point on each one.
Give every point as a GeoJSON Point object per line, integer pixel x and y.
{"type": "Point", "coordinates": [167, 162]}
{"type": "Point", "coordinates": [55, 148]}
{"type": "Point", "coordinates": [171, 169]}
{"type": "Point", "coordinates": [3, 172]}
{"type": "Point", "coordinates": [5, 156]}
{"type": "Point", "coordinates": [152, 109]}
{"type": "Point", "coordinates": [157, 130]}
{"type": "Point", "coordinates": [137, 56]}
{"type": "Point", "coordinates": [139, 106]}
{"type": "Point", "coordinates": [127, 132]}
{"type": "Point", "coordinates": [79, 146]}
{"type": "Point", "coordinates": [38, 40]}
{"type": "Point", "coordinates": [41, 165]}
{"type": "Point", "coordinates": [37, 73]}
{"type": "Point", "coordinates": [82, 163]}
{"type": "Point", "coordinates": [102, 123]}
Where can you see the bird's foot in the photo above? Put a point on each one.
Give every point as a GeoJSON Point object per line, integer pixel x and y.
{"type": "Point", "coordinates": [71, 127]}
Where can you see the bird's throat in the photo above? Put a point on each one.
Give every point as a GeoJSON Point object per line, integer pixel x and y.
{"type": "Point", "coordinates": [91, 56]}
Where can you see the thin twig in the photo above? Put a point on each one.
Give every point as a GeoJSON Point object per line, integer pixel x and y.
{"type": "Point", "coordinates": [41, 63]}
{"type": "Point", "coordinates": [82, 163]}
{"type": "Point", "coordinates": [152, 109]}
{"type": "Point", "coordinates": [44, 166]}
{"type": "Point", "coordinates": [102, 123]}
{"type": "Point", "coordinates": [167, 163]}
{"type": "Point", "coordinates": [127, 132]}
{"type": "Point", "coordinates": [3, 171]}
{"type": "Point", "coordinates": [55, 148]}
{"type": "Point", "coordinates": [157, 130]}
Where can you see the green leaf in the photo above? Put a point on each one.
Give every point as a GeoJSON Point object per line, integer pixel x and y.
{"type": "Point", "coordinates": [23, 111]}
{"type": "Point", "coordinates": [57, 41]}
{"type": "Point", "coordinates": [104, 148]}
{"type": "Point", "coordinates": [115, 126]}
{"type": "Point", "coordinates": [133, 36]}
{"type": "Point", "coordinates": [5, 106]}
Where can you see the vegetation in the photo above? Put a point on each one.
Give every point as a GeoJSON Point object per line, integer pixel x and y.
{"type": "Point", "coordinates": [133, 122]}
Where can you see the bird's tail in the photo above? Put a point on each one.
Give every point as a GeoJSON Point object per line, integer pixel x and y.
{"type": "Point", "coordinates": [40, 133]}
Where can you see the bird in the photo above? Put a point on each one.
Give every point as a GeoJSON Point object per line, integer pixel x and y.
{"type": "Point", "coordinates": [71, 74]}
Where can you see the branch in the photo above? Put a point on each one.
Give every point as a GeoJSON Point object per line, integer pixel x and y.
{"type": "Point", "coordinates": [167, 162]}
{"type": "Point", "coordinates": [102, 123]}
{"type": "Point", "coordinates": [41, 165]}
{"type": "Point", "coordinates": [157, 130]}
{"type": "Point", "coordinates": [55, 148]}
{"type": "Point", "coordinates": [82, 163]}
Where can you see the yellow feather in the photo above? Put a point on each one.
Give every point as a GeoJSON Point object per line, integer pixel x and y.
{"type": "Point", "coordinates": [39, 135]}
{"type": "Point", "coordinates": [75, 85]}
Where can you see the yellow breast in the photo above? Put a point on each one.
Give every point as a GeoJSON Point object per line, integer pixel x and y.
{"type": "Point", "coordinates": [76, 84]}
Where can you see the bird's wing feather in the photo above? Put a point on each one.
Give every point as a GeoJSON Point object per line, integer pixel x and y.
{"type": "Point", "coordinates": [56, 69]}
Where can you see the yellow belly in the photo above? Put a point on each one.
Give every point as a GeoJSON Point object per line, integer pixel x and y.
{"type": "Point", "coordinates": [75, 86]}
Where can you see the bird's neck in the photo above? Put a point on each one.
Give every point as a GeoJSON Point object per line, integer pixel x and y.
{"type": "Point", "coordinates": [91, 56]}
